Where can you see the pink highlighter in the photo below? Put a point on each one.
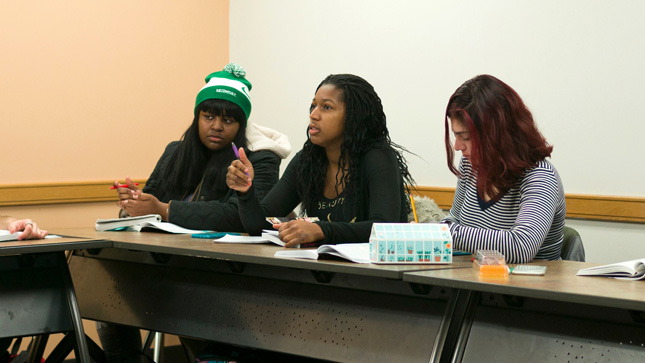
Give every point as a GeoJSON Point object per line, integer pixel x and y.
{"type": "Point", "coordinates": [121, 186]}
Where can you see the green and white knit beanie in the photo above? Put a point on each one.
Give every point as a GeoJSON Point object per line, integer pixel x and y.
{"type": "Point", "coordinates": [230, 85]}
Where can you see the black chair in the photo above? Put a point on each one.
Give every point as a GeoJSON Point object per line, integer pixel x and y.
{"type": "Point", "coordinates": [572, 248]}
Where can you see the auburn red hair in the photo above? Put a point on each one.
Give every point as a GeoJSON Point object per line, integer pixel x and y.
{"type": "Point", "coordinates": [504, 138]}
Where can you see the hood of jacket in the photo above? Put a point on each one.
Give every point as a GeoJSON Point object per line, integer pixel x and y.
{"type": "Point", "coordinates": [264, 138]}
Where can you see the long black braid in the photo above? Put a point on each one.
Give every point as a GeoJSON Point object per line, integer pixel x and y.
{"type": "Point", "coordinates": [191, 159]}
{"type": "Point", "coordinates": [365, 128]}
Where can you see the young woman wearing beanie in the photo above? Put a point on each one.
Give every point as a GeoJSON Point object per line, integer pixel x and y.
{"type": "Point", "coordinates": [349, 173]}
{"type": "Point", "coordinates": [188, 187]}
{"type": "Point", "coordinates": [509, 198]}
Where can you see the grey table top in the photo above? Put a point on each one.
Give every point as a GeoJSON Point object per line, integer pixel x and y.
{"type": "Point", "coordinates": [51, 245]}
{"type": "Point", "coordinates": [560, 283]}
{"type": "Point", "coordinates": [184, 245]}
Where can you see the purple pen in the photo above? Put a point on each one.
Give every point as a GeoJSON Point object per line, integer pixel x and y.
{"type": "Point", "coordinates": [237, 155]}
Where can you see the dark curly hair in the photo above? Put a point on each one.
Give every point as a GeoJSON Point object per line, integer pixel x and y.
{"type": "Point", "coordinates": [191, 159]}
{"type": "Point", "coordinates": [365, 128]}
{"type": "Point", "coordinates": [505, 139]}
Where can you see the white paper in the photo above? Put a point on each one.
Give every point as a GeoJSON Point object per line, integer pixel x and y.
{"type": "Point", "coordinates": [268, 236]}
{"type": "Point", "coordinates": [354, 252]}
{"type": "Point", "coordinates": [170, 227]}
{"type": "Point", "coordinates": [272, 236]}
{"type": "Point", "coordinates": [629, 270]}
{"type": "Point", "coordinates": [229, 238]}
{"type": "Point", "coordinates": [303, 253]}
{"type": "Point", "coordinates": [5, 235]}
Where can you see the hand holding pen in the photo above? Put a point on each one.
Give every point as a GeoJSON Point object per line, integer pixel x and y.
{"type": "Point", "coordinates": [126, 191]}
{"type": "Point", "coordinates": [137, 203]}
{"type": "Point", "coordinates": [117, 185]}
{"type": "Point", "coordinates": [240, 172]}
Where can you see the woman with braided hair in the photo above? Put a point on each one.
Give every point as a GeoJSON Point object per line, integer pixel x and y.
{"type": "Point", "coordinates": [349, 173]}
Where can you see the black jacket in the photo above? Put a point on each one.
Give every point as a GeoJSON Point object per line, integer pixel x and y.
{"type": "Point", "coordinates": [216, 206]}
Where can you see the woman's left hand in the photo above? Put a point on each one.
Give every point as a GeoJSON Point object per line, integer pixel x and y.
{"type": "Point", "coordinates": [29, 229]}
{"type": "Point", "coordinates": [240, 173]}
{"type": "Point", "coordinates": [297, 232]}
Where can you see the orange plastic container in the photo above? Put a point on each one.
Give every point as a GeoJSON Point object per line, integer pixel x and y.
{"type": "Point", "coordinates": [490, 265]}
{"type": "Point", "coordinates": [491, 271]}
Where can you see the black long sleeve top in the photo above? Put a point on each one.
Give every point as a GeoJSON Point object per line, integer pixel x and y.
{"type": "Point", "coordinates": [345, 219]}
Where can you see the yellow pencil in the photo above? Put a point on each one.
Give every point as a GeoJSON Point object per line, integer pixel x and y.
{"type": "Point", "coordinates": [414, 209]}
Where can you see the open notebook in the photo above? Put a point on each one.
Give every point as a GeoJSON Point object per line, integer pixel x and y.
{"type": "Point", "coordinates": [629, 270]}
{"type": "Point", "coordinates": [152, 221]}
{"type": "Point", "coordinates": [353, 252]}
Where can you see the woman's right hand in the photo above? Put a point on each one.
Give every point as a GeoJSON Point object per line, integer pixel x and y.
{"type": "Point", "coordinates": [240, 173]}
{"type": "Point", "coordinates": [29, 229]}
{"type": "Point", "coordinates": [129, 192]}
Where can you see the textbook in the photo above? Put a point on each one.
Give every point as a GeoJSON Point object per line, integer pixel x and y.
{"type": "Point", "coordinates": [354, 252]}
{"type": "Point", "coordinates": [629, 270]}
{"type": "Point", "coordinates": [152, 221]}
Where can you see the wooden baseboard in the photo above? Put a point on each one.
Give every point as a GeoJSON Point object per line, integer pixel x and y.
{"type": "Point", "coordinates": [592, 207]}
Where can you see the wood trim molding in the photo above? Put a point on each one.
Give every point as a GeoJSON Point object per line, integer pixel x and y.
{"type": "Point", "coordinates": [441, 195]}
{"type": "Point", "coordinates": [58, 193]}
{"type": "Point", "coordinates": [581, 206]}
{"type": "Point", "coordinates": [592, 207]}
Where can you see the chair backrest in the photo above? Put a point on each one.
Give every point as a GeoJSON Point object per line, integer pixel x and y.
{"type": "Point", "coordinates": [572, 248]}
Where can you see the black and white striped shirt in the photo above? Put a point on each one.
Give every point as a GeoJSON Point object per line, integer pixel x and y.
{"type": "Point", "coordinates": [526, 223]}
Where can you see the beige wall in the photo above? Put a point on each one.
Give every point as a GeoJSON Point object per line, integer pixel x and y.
{"type": "Point", "coordinates": [76, 215]}
{"type": "Point", "coordinates": [95, 90]}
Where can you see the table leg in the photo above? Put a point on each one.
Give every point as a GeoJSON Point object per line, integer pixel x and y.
{"type": "Point", "coordinates": [446, 321]}
{"type": "Point", "coordinates": [37, 348]}
{"type": "Point", "coordinates": [464, 331]}
{"type": "Point", "coordinates": [81, 351]}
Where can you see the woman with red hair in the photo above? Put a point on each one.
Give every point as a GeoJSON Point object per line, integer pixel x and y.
{"type": "Point", "coordinates": [509, 198]}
